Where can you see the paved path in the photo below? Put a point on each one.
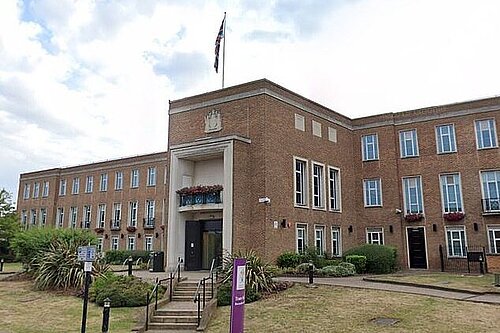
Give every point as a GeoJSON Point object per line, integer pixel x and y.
{"type": "Point", "coordinates": [358, 282]}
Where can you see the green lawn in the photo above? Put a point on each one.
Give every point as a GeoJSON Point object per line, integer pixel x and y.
{"type": "Point", "coordinates": [23, 310]}
{"type": "Point", "coordinates": [479, 283]}
{"type": "Point", "coordinates": [337, 309]}
{"type": "Point", "coordinates": [12, 267]}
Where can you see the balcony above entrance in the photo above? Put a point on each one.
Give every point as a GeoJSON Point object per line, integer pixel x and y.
{"type": "Point", "coordinates": [200, 198]}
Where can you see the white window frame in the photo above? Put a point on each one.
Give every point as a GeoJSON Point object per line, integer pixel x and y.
{"type": "Point", "coordinates": [134, 178]}
{"type": "Point", "coordinates": [332, 134]}
{"type": "Point", "coordinates": [89, 184]}
{"type": "Point", "coordinates": [148, 243]}
{"type": "Point", "coordinates": [375, 231]}
{"type": "Point", "coordinates": [60, 217]}
{"type": "Point", "coordinates": [62, 187]}
{"type": "Point", "coordinates": [334, 189]}
{"type": "Point", "coordinates": [336, 241]}
{"type": "Point", "coordinates": [300, 227]}
{"type": "Point", "coordinates": [119, 180]}
{"type": "Point", "coordinates": [101, 216]}
{"type": "Point", "coordinates": [300, 122]}
{"type": "Point", "coordinates": [115, 243]}
{"type": "Point", "coordinates": [43, 216]}
{"type": "Point", "coordinates": [151, 179]}
{"type": "Point", "coordinates": [365, 147]}
{"type": "Point", "coordinates": [36, 190]}
{"type": "Point", "coordinates": [26, 192]}
{"type": "Point", "coordinates": [403, 143]}
{"type": "Point", "coordinates": [87, 216]}
{"type": "Point", "coordinates": [368, 189]}
{"type": "Point", "coordinates": [33, 217]}
{"type": "Point", "coordinates": [419, 197]}
{"type": "Point", "coordinates": [75, 188]}
{"type": "Point", "coordinates": [446, 193]}
{"type": "Point", "coordinates": [100, 243]}
{"type": "Point", "coordinates": [319, 230]}
{"type": "Point", "coordinates": [316, 128]}
{"type": "Point", "coordinates": [103, 184]}
{"type": "Point", "coordinates": [117, 214]}
{"type": "Point", "coordinates": [73, 216]}
{"type": "Point", "coordinates": [303, 191]}
{"type": "Point", "coordinates": [449, 137]}
{"type": "Point", "coordinates": [492, 203]}
{"type": "Point", "coordinates": [131, 243]}
{"type": "Point", "coordinates": [133, 209]}
{"type": "Point", "coordinates": [45, 192]}
{"type": "Point", "coordinates": [492, 131]}
{"type": "Point", "coordinates": [318, 196]}
{"type": "Point", "coordinates": [150, 212]}
{"type": "Point", "coordinates": [451, 236]}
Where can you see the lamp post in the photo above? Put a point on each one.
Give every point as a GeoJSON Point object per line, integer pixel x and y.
{"type": "Point", "coordinates": [130, 260]}
{"type": "Point", "coordinates": [105, 315]}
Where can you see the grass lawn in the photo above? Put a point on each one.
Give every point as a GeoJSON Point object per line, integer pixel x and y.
{"type": "Point", "coordinates": [337, 309]}
{"type": "Point", "coordinates": [481, 283]}
{"type": "Point", "coordinates": [12, 267]}
{"type": "Point", "coordinates": [23, 310]}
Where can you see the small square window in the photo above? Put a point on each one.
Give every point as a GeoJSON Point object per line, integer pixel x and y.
{"type": "Point", "coordinates": [316, 128]}
{"type": "Point", "coordinates": [300, 122]}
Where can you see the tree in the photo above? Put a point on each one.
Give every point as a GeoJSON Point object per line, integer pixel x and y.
{"type": "Point", "coordinates": [9, 223]}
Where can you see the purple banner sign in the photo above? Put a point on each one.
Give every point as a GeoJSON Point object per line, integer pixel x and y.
{"type": "Point", "coordinates": [238, 296]}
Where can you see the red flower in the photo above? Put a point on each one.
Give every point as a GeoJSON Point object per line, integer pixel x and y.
{"type": "Point", "coordinates": [454, 216]}
{"type": "Point", "coordinates": [414, 217]}
{"type": "Point", "coordinates": [199, 189]}
{"type": "Point", "coordinates": [131, 228]}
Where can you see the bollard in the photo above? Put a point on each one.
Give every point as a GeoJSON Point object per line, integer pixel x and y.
{"type": "Point", "coordinates": [481, 265]}
{"type": "Point", "coordinates": [1, 265]}
{"type": "Point", "coordinates": [130, 260]}
{"type": "Point", "coordinates": [311, 277]}
{"type": "Point", "coordinates": [105, 315]}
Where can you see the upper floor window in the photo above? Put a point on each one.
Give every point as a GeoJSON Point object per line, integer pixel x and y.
{"type": "Point", "coordinates": [43, 216]}
{"type": "Point", "coordinates": [118, 180]}
{"type": "Point", "coordinates": [445, 138]}
{"type": "Point", "coordinates": [60, 217]}
{"type": "Point", "coordinates": [26, 192]}
{"type": "Point", "coordinates": [24, 217]}
{"type": "Point", "coordinates": [301, 230]}
{"type": "Point", "coordinates": [33, 216]}
{"type": "Point", "coordinates": [456, 241]}
{"type": "Point", "coordinates": [486, 134]}
{"type": "Point", "coordinates": [336, 242]}
{"type": "Point", "coordinates": [300, 122]}
{"type": "Point", "coordinates": [101, 215]}
{"type": "Point", "coordinates": [316, 128]}
{"type": "Point", "coordinates": [318, 185]}
{"type": "Point", "coordinates": [375, 236]}
{"type": "Point", "coordinates": [412, 188]}
{"type": "Point", "coordinates": [62, 187]}
{"type": "Point", "coordinates": [319, 239]}
{"type": "Point", "coordinates": [300, 184]}
{"type": "Point", "coordinates": [36, 190]}
{"type": "Point", "coordinates": [89, 185]}
{"type": "Point", "coordinates": [132, 221]}
{"type": "Point", "coordinates": [73, 216]}
{"type": "Point", "coordinates": [134, 178]}
{"type": "Point", "coordinates": [408, 143]}
{"type": "Point", "coordinates": [151, 181]}
{"type": "Point", "coordinates": [370, 147]}
{"type": "Point", "coordinates": [490, 181]}
{"type": "Point", "coordinates": [334, 188]}
{"type": "Point", "coordinates": [45, 192]}
{"type": "Point", "coordinates": [76, 186]}
{"type": "Point", "coordinates": [451, 193]}
{"type": "Point", "coordinates": [150, 212]}
{"type": "Point", "coordinates": [117, 213]}
{"type": "Point", "coordinates": [372, 192]}
{"type": "Point", "coordinates": [87, 215]}
{"type": "Point", "coordinates": [103, 186]}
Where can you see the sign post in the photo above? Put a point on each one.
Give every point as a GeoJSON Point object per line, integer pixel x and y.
{"type": "Point", "coordinates": [238, 296]}
{"type": "Point", "coordinates": [87, 255]}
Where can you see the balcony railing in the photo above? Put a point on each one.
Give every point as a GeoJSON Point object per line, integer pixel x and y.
{"type": "Point", "coordinates": [148, 222]}
{"type": "Point", "coordinates": [491, 206]}
{"type": "Point", "coordinates": [115, 224]}
{"type": "Point", "coordinates": [200, 199]}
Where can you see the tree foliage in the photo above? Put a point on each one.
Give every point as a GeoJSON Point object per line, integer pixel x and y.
{"type": "Point", "coordinates": [9, 223]}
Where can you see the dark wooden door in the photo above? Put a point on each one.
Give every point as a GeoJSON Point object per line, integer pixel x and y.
{"type": "Point", "coordinates": [193, 246]}
{"type": "Point", "coordinates": [416, 247]}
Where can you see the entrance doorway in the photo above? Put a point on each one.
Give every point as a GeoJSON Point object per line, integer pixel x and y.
{"type": "Point", "coordinates": [203, 244]}
{"type": "Point", "coordinates": [416, 247]}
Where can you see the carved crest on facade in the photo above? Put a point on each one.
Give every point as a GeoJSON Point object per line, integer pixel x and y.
{"type": "Point", "coordinates": [213, 121]}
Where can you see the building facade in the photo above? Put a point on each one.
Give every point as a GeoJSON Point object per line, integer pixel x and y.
{"type": "Point", "coordinates": [258, 166]}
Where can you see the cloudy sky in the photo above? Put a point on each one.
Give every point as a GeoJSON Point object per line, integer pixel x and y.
{"type": "Point", "coordinates": [85, 81]}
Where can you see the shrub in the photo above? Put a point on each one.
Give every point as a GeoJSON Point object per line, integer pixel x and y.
{"type": "Point", "coordinates": [380, 259]}
{"type": "Point", "coordinates": [358, 261]}
{"type": "Point", "coordinates": [288, 259]}
{"type": "Point", "coordinates": [337, 271]}
{"type": "Point", "coordinates": [304, 268]}
{"type": "Point", "coordinates": [118, 257]}
{"type": "Point", "coordinates": [123, 291]}
{"type": "Point", "coordinates": [351, 269]}
{"type": "Point", "coordinates": [224, 294]}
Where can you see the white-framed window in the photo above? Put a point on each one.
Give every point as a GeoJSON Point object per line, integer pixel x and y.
{"type": "Point", "coordinates": [134, 178]}
{"type": "Point", "coordinates": [36, 190]}
{"type": "Point", "coordinates": [100, 241]}
{"type": "Point", "coordinates": [334, 187]}
{"type": "Point", "coordinates": [332, 134]}
{"type": "Point", "coordinates": [89, 184]}
{"type": "Point", "coordinates": [300, 184]}
{"type": "Point", "coordinates": [456, 241]}
{"type": "Point", "coordinates": [101, 215]}
{"type": "Point", "coordinates": [148, 243]}
{"type": "Point", "coordinates": [103, 184]}
{"type": "Point", "coordinates": [151, 180]}
{"type": "Point", "coordinates": [60, 217]}
{"type": "Point", "coordinates": [370, 147]}
{"type": "Point", "coordinates": [494, 238]}
{"type": "Point", "coordinates": [26, 191]}
{"type": "Point", "coordinates": [33, 217]}
{"type": "Point", "coordinates": [301, 237]}
{"type": "Point", "coordinates": [62, 187]}
{"type": "Point", "coordinates": [451, 193]}
{"type": "Point", "coordinates": [408, 143]}
{"type": "Point", "coordinates": [486, 134]}
{"type": "Point", "coordinates": [131, 243]}
{"type": "Point", "coordinates": [43, 216]}
{"type": "Point", "coordinates": [73, 217]}
{"type": "Point", "coordinates": [76, 186]}
{"type": "Point", "coordinates": [24, 218]}
{"type": "Point", "coordinates": [372, 190]}
{"type": "Point", "coordinates": [300, 122]}
{"type": "Point", "coordinates": [87, 216]}
{"type": "Point", "coordinates": [319, 239]}
{"type": "Point", "coordinates": [150, 213]}
{"type": "Point", "coordinates": [412, 187]}
{"type": "Point", "coordinates": [115, 243]}
{"type": "Point", "coordinates": [117, 215]}
{"type": "Point", "coordinates": [132, 217]}
{"type": "Point", "coordinates": [316, 128]}
{"type": "Point", "coordinates": [490, 186]}
{"type": "Point", "coordinates": [45, 192]}
{"type": "Point", "coordinates": [318, 185]}
{"type": "Point", "coordinates": [375, 236]}
{"type": "Point", "coordinates": [119, 180]}
{"type": "Point", "coordinates": [336, 242]}
{"type": "Point", "coordinates": [445, 139]}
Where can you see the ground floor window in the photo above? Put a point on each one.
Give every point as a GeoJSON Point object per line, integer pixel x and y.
{"type": "Point", "coordinates": [336, 242]}
{"type": "Point", "coordinates": [301, 237]}
{"type": "Point", "coordinates": [99, 245]}
{"type": "Point", "coordinates": [494, 239]}
{"type": "Point", "coordinates": [114, 243]}
{"type": "Point", "coordinates": [319, 239]}
{"type": "Point", "coordinates": [375, 236]}
{"type": "Point", "coordinates": [455, 239]}
{"type": "Point", "coordinates": [131, 243]}
{"type": "Point", "coordinates": [148, 243]}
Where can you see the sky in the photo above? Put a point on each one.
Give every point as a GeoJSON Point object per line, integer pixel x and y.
{"type": "Point", "coordinates": [87, 81]}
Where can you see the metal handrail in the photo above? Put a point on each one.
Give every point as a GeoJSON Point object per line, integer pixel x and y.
{"type": "Point", "coordinates": [202, 283]}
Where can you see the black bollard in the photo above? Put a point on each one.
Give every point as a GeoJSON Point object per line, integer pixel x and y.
{"type": "Point", "coordinates": [129, 262]}
{"type": "Point", "coordinates": [105, 315]}
{"type": "Point", "coordinates": [1, 265]}
{"type": "Point", "coordinates": [311, 277]}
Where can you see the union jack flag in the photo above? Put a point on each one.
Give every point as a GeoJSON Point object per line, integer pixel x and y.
{"type": "Point", "coordinates": [220, 35]}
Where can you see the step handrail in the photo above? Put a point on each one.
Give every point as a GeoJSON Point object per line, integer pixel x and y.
{"type": "Point", "coordinates": [202, 283]}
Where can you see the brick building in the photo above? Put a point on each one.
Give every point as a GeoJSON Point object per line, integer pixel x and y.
{"type": "Point", "coordinates": [264, 168]}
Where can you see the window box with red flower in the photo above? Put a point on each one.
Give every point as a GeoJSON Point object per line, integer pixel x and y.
{"type": "Point", "coordinates": [200, 195]}
{"type": "Point", "coordinates": [414, 217]}
{"type": "Point", "coordinates": [99, 230]}
{"type": "Point", "coordinates": [131, 228]}
{"type": "Point", "coordinates": [453, 216]}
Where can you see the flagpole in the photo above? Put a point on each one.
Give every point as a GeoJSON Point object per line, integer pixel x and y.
{"type": "Point", "coordinates": [224, 51]}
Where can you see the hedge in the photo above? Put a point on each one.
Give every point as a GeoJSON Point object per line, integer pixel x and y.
{"type": "Point", "coordinates": [380, 259]}
{"type": "Point", "coordinates": [118, 257]}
